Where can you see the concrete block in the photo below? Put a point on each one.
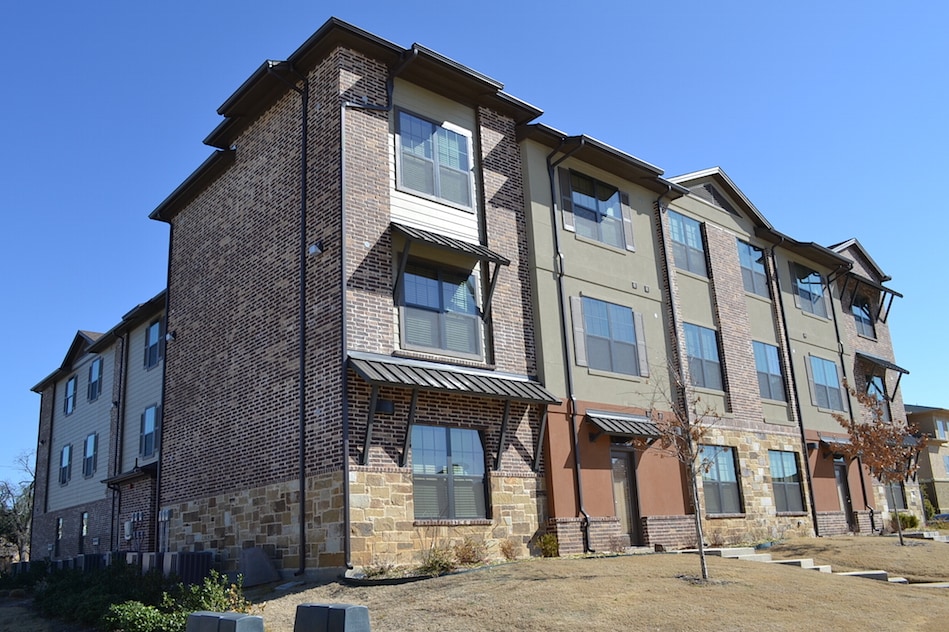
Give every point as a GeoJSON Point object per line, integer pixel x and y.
{"type": "Point", "coordinates": [311, 617]}
{"type": "Point", "coordinates": [256, 567]}
{"type": "Point", "coordinates": [348, 618]}
{"type": "Point", "coordinates": [236, 622]}
{"type": "Point", "coordinates": [202, 621]}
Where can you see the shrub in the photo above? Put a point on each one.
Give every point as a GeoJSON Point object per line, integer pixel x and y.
{"type": "Point", "coordinates": [907, 521]}
{"type": "Point", "coordinates": [509, 549]}
{"type": "Point", "coordinates": [549, 545]}
{"type": "Point", "coordinates": [439, 560]}
{"type": "Point", "coordinates": [470, 551]}
{"type": "Point", "coordinates": [134, 616]}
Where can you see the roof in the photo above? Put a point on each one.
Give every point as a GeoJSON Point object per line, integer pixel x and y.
{"type": "Point", "coordinates": [149, 469]}
{"type": "Point", "coordinates": [449, 243]}
{"type": "Point", "coordinates": [854, 243]}
{"type": "Point", "coordinates": [434, 376]}
{"type": "Point", "coordinates": [620, 425]}
{"type": "Point", "coordinates": [215, 164]}
{"type": "Point", "coordinates": [881, 362]}
{"type": "Point", "coordinates": [81, 342]}
{"type": "Point", "coordinates": [914, 408]}
{"type": "Point", "coordinates": [604, 156]}
{"type": "Point", "coordinates": [718, 176]}
{"type": "Point", "coordinates": [132, 318]}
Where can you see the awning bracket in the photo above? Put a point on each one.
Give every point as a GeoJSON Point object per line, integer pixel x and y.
{"type": "Point", "coordinates": [503, 438]}
{"type": "Point", "coordinates": [403, 458]}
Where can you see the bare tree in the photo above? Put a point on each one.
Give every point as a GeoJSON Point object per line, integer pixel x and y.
{"type": "Point", "coordinates": [16, 507]}
{"type": "Point", "coordinates": [681, 435]}
{"type": "Point", "coordinates": [889, 449]}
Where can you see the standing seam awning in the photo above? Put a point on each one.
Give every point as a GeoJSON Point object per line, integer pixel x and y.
{"type": "Point", "coordinates": [450, 243]}
{"type": "Point", "coordinates": [886, 364]}
{"type": "Point", "coordinates": [432, 376]}
{"type": "Point", "coordinates": [619, 425]}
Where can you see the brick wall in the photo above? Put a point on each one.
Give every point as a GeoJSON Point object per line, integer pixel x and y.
{"type": "Point", "coordinates": [670, 532]}
{"type": "Point", "coordinates": [137, 504]}
{"type": "Point", "coordinates": [99, 526]}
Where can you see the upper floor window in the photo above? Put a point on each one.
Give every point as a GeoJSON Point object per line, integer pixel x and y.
{"type": "Point", "coordinates": [153, 344]}
{"type": "Point", "coordinates": [701, 346]}
{"type": "Point", "coordinates": [945, 464]}
{"type": "Point", "coordinates": [596, 210]}
{"type": "Point", "coordinates": [69, 401]}
{"type": "Point", "coordinates": [786, 481]}
{"type": "Point", "coordinates": [95, 379]}
{"type": "Point", "coordinates": [942, 429]}
{"type": "Point", "coordinates": [90, 454]}
{"type": "Point", "coordinates": [825, 385]}
{"type": "Point", "coordinates": [65, 464]}
{"type": "Point", "coordinates": [862, 315]}
{"type": "Point", "coordinates": [609, 337]}
{"type": "Point", "coordinates": [448, 473]}
{"type": "Point", "coordinates": [808, 290]}
{"type": "Point", "coordinates": [768, 367]}
{"type": "Point", "coordinates": [434, 160]}
{"type": "Point", "coordinates": [440, 311]}
{"type": "Point", "coordinates": [876, 388]}
{"type": "Point", "coordinates": [753, 274]}
{"type": "Point", "coordinates": [720, 480]}
{"type": "Point", "coordinates": [148, 437]}
{"type": "Point", "coordinates": [688, 248]}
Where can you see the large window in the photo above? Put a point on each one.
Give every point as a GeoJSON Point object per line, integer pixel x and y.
{"type": "Point", "coordinates": [688, 249]}
{"type": "Point", "coordinates": [65, 464]}
{"type": "Point", "coordinates": [597, 210]}
{"type": "Point", "coordinates": [942, 429]}
{"type": "Point", "coordinates": [448, 473]}
{"type": "Point", "coordinates": [808, 290]}
{"type": "Point", "coordinates": [69, 402]}
{"type": "Point", "coordinates": [753, 274]}
{"type": "Point", "coordinates": [435, 161]}
{"type": "Point", "coordinates": [896, 494]}
{"type": "Point", "coordinates": [153, 344]}
{"type": "Point", "coordinates": [862, 315]}
{"type": "Point", "coordinates": [876, 388]}
{"type": "Point", "coordinates": [612, 338]}
{"type": "Point", "coordinates": [719, 478]}
{"type": "Point", "coordinates": [825, 384]}
{"type": "Point", "coordinates": [701, 345]}
{"type": "Point", "coordinates": [768, 366]}
{"type": "Point", "coordinates": [95, 379]}
{"type": "Point", "coordinates": [786, 481]}
{"type": "Point", "coordinates": [440, 311]}
{"type": "Point", "coordinates": [89, 455]}
{"type": "Point", "coordinates": [148, 437]}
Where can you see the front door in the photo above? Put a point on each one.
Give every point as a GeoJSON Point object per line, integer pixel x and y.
{"type": "Point", "coordinates": [843, 490]}
{"type": "Point", "coordinates": [624, 496]}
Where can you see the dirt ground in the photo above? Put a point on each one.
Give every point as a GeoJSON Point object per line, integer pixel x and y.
{"type": "Point", "coordinates": [643, 592]}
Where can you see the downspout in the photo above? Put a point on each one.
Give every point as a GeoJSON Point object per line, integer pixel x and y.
{"type": "Point", "coordinates": [564, 340]}
{"type": "Point", "coordinates": [164, 379]}
{"type": "Point", "coordinates": [796, 400]}
{"type": "Point", "coordinates": [119, 427]}
{"type": "Point", "coordinates": [344, 344]}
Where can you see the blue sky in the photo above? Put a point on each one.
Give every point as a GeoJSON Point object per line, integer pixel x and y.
{"type": "Point", "coordinates": [830, 116]}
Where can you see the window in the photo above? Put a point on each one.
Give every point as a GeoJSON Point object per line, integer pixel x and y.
{"type": "Point", "coordinates": [862, 315]}
{"type": "Point", "coordinates": [609, 337]}
{"type": "Point", "coordinates": [720, 480]}
{"type": "Point", "coordinates": [448, 473]}
{"type": "Point", "coordinates": [59, 536]}
{"type": "Point", "coordinates": [153, 344]}
{"type": "Point", "coordinates": [69, 403]}
{"type": "Point", "coordinates": [95, 379]}
{"type": "Point", "coordinates": [942, 429]}
{"type": "Point", "coordinates": [876, 388]}
{"type": "Point", "coordinates": [688, 250]}
{"type": "Point", "coordinates": [808, 290]}
{"type": "Point", "coordinates": [440, 311]}
{"type": "Point", "coordinates": [65, 464]}
{"type": "Point", "coordinates": [825, 384]}
{"type": "Point", "coordinates": [896, 495]}
{"type": "Point", "coordinates": [435, 161]}
{"type": "Point", "coordinates": [148, 438]}
{"type": "Point", "coordinates": [596, 210]}
{"type": "Point", "coordinates": [90, 454]}
{"type": "Point", "coordinates": [786, 481]}
{"type": "Point", "coordinates": [753, 275]}
{"type": "Point", "coordinates": [945, 464]}
{"type": "Point", "coordinates": [770, 380]}
{"type": "Point", "coordinates": [702, 351]}
{"type": "Point", "coordinates": [83, 531]}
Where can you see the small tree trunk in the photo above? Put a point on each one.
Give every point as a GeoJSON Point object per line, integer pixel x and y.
{"type": "Point", "coordinates": [697, 509]}
{"type": "Point", "coordinates": [899, 524]}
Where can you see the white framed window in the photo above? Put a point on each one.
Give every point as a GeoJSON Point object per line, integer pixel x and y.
{"type": "Point", "coordinates": [440, 311]}
{"type": "Point", "coordinates": [754, 277]}
{"type": "Point", "coordinates": [65, 464]}
{"type": "Point", "coordinates": [720, 480]}
{"type": "Point", "coordinates": [434, 160]}
{"type": "Point", "coordinates": [148, 437]}
{"type": "Point", "coordinates": [808, 287]}
{"type": "Point", "coordinates": [942, 429]}
{"type": "Point", "coordinates": [596, 210]}
{"type": "Point", "coordinates": [448, 473]}
{"type": "Point", "coordinates": [705, 368]}
{"type": "Point", "coordinates": [786, 481]}
{"type": "Point", "coordinates": [90, 455]}
{"type": "Point", "coordinates": [95, 380]}
{"type": "Point", "coordinates": [154, 344]}
{"type": "Point", "coordinates": [688, 245]}
{"type": "Point", "coordinates": [825, 382]}
{"type": "Point", "coordinates": [69, 401]}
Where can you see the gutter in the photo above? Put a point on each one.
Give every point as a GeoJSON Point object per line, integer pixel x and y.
{"type": "Point", "coordinates": [164, 379]}
{"type": "Point", "coordinates": [564, 339]}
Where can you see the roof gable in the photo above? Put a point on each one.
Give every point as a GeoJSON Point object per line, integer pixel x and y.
{"type": "Point", "coordinates": [854, 250]}
{"type": "Point", "coordinates": [715, 187]}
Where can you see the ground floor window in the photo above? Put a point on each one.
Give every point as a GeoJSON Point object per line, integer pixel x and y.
{"type": "Point", "coordinates": [720, 480]}
{"type": "Point", "coordinates": [896, 495]}
{"type": "Point", "coordinates": [448, 473]}
{"type": "Point", "coordinates": [786, 481]}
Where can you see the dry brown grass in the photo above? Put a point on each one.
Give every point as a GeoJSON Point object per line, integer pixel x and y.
{"type": "Point", "coordinates": [642, 592]}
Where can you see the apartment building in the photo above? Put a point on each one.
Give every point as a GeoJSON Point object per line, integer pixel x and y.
{"type": "Point", "coordinates": [933, 473]}
{"type": "Point", "coordinates": [401, 312]}
{"type": "Point", "coordinates": [97, 452]}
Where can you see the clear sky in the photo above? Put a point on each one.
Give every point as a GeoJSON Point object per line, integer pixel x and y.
{"type": "Point", "coordinates": [832, 117]}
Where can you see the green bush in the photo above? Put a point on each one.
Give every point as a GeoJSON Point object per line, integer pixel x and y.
{"type": "Point", "coordinates": [549, 545]}
{"type": "Point", "coordinates": [134, 616]}
{"type": "Point", "coordinates": [907, 521]}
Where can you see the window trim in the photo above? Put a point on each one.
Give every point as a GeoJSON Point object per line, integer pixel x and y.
{"type": "Point", "coordinates": [754, 275]}
{"type": "Point", "coordinates": [581, 344]}
{"type": "Point", "coordinates": [65, 471]}
{"type": "Point", "coordinates": [813, 384]}
{"type": "Point", "coordinates": [569, 219]}
{"type": "Point", "coordinates": [153, 359]}
{"type": "Point", "coordinates": [693, 256]}
{"type": "Point", "coordinates": [90, 462]}
{"type": "Point", "coordinates": [785, 485]}
{"type": "Point", "coordinates": [702, 333]}
{"type": "Point", "coordinates": [143, 446]}
{"type": "Point", "coordinates": [435, 196]}
{"type": "Point", "coordinates": [94, 388]}
{"type": "Point", "coordinates": [449, 473]}
{"type": "Point", "coordinates": [717, 485]}
{"type": "Point", "coordinates": [767, 374]}
{"type": "Point", "coordinates": [812, 299]}
{"type": "Point", "coordinates": [69, 397]}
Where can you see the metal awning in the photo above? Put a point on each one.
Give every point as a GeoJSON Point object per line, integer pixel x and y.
{"type": "Point", "coordinates": [433, 376]}
{"type": "Point", "coordinates": [620, 425]}
{"type": "Point", "coordinates": [832, 441]}
{"type": "Point", "coordinates": [449, 243]}
{"type": "Point", "coordinates": [880, 362]}
{"type": "Point", "coordinates": [883, 310]}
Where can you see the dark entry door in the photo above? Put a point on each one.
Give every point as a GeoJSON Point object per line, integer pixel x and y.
{"type": "Point", "coordinates": [843, 490]}
{"type": "Point", "coordinates": [625, 502]}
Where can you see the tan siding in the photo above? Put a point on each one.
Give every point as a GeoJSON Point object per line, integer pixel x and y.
{"type": "Point", "coordinates": [143, 389]}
